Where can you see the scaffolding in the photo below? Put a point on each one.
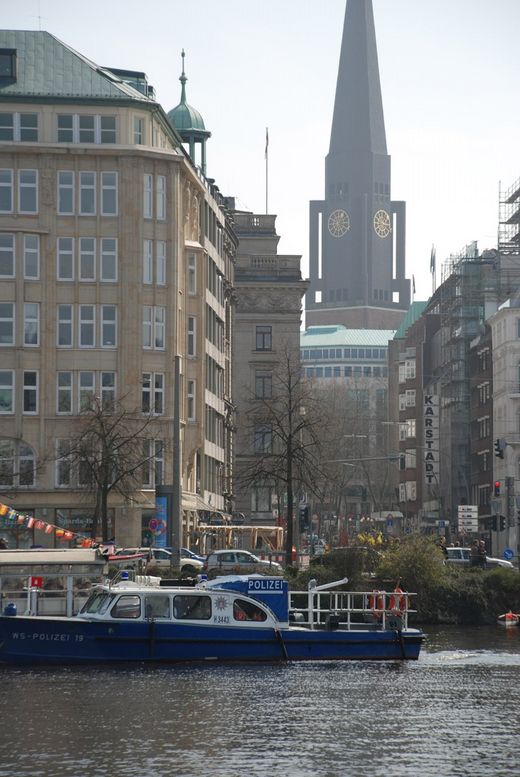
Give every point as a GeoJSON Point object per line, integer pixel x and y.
{"type": "Point", "coordinates": [509, 219]}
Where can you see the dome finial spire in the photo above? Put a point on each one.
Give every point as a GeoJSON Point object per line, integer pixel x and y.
{"type": "Point", "coordinates": [183, 79]}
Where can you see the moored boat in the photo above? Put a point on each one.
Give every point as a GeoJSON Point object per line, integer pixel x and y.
{"type": "Point", "coordinates": [241, 618]}
{"type": "Point", "coordinates": [508, 619]}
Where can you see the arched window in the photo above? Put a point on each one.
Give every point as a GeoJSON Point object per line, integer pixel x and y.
{"type": "Point", "coordinates": [17, 464]}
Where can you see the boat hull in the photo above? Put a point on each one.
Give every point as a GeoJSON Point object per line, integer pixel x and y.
{"type": "Point", "coordinates": [30, 640]}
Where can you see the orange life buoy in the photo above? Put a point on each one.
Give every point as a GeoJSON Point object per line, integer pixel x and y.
{"type": "Point", "coordinates": [398, 601]}
{"type": "Point", "coordinates": [376, 602]}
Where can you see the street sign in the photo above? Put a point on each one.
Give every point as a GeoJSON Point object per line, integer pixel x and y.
{"type": "Point", "coordinates": [467, 510]}
{"type": "Point", "coordinates": [508, 554]}
{"type": "Point", "coordinates": [469, 524]}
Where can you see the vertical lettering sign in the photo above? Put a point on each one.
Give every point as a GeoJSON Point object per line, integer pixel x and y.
{"type": "Point", "coordinates": [431, 438]}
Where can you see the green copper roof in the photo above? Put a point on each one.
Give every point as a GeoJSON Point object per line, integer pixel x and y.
{"type": "Point", "coordinates": [338, 335]}
{"type": "Point", "coordinates": [184, 117]}
{"type": "Point", "coordinates": [46, 67]}
{"type": "Point", "coordinates": [413, 313]}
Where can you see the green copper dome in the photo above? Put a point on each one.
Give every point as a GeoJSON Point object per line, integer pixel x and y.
{"type": "Point", "coordinates": [184, 117]}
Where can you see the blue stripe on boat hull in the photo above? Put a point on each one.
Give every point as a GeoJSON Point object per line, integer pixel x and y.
{"type": "Point", "coordinates": [42, 640]}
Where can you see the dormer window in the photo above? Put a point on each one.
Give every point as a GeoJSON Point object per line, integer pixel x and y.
{"type": "Point", "coordinates": [8, 64]}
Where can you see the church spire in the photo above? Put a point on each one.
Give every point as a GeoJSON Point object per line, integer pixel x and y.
{"type": "Point", "coordinates": [183, 80]}
{"type": "Point", "coordinates": [358, 123]}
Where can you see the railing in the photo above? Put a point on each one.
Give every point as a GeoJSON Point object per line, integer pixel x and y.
{"type": "Point", "coordinates": [317, 608]}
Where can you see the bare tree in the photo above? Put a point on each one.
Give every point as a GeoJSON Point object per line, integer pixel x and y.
{"type": "Point", "coordinates": [285, 421]}
{"type": "Point", "coordinates": [110, 453]}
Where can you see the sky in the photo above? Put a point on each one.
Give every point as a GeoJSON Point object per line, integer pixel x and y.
{"type": "Point", "coordinates": [449, 76]}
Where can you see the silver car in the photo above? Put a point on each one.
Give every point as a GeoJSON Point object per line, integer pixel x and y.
{"type": "Point", "coordinates": [239, 562]}
{"type": "Point", "coordinates": [462, 557]}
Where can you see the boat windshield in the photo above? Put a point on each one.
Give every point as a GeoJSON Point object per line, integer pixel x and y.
{"type": "Point", "coordinates": [97, 603]}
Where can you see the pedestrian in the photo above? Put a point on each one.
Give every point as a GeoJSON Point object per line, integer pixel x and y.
{"type": "Point", "coordinates": [482, 557]}
{"type": "Point", "coordinates": [4, 545]}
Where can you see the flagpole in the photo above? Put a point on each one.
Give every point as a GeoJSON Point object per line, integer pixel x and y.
{"type": "Point", "coordinates": [266, 169]}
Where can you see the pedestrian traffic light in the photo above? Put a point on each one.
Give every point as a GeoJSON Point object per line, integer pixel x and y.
{"type": "Point", "coordinates": [499, 450]}
{"type": "Point", "coordinates": [502, 522]}
{"type": "Point", "coordinates": [497, 487]}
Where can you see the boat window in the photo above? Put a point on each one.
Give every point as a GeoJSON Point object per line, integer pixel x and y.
{"type": "Point", "coordinates": [193, 607]}
{"type": "Point", "coordinates": [247, 611]}
{"type": "Point", "coordinates": [97, 603]}
{"type": "Point", "coordinates": [157, 606]}
{"type": "Point", "coordinates": [127, 607]}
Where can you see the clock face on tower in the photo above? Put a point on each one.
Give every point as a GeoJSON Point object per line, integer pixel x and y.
{"type": "Point", "coordinates": [382, 223]}
{"type": "Point", "coordinates": [339, 223]}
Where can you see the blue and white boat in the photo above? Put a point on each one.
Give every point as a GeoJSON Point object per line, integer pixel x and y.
{"type": "Point", "coordinates": [240, 618]}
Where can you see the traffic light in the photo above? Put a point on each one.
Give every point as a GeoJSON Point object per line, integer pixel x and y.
{"type": "Point", "coordinates": [499, 451]}
{"type": "Point", "coordinates": [497, 488]}
{"type": "Point", "coordinates": [494, 523]}
{"type": "Point", "coordinates": [304, 519]}
{"type": "Point", "coordinates": [502, 522]}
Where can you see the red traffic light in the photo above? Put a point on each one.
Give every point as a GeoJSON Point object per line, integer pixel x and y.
{"type": "Point", "coordinates": [497, 487]}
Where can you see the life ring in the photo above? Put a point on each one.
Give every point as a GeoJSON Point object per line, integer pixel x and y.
{"type": "Point", "coordinates": [398, 601]}
{"type": "Point", "coordinates": [376, 602]}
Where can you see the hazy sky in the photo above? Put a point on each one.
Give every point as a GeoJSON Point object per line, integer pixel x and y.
{"type": "Point", "coordinates": [449, 74]}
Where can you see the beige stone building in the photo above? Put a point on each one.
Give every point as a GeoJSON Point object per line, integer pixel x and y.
{"type": "Point", "coordinates": [267, 319]}
{"type": "Point", "coordinates": [116, 256]}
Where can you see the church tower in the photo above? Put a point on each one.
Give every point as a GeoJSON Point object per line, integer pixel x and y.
{"type": "Point", "coordinates": [357, 233]}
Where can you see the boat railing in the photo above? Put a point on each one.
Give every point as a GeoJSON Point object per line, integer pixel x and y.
{"type": "Point", "coordinates": [371, 610]}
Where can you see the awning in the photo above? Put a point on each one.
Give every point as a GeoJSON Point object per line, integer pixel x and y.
{"type": "Point", "coordinates": [195, 502]}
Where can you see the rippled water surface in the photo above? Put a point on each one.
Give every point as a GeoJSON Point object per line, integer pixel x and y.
{"type": "Point", "coordinates": [454, 712]}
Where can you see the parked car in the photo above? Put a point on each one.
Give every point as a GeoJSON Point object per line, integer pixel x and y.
{"type": "Point", "coordinates": [462, 557]}
{"type": "Point", "coordinates": [239, 562]}
{"type": "Point", "coordinates": [161, 557]}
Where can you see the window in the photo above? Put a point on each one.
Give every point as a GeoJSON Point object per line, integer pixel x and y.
{"type": "Point", "coordinates": [263, 439]}
{"type": "Point", "coordinates": [160, 263]}
{"type": "Point", "coordinates": [6, 323]}
{"type": "Point", "coordinates": [138, 131]}
{"type": "Point", "coordinates": [261, 499]}
{"type": "Point", "coordinates": [190, 397]}
{"type": "Point", "coordinates": [192, 607]}
{"type": "Point", "coordinates": [147, 196]}
{"type": "Point", "coordinates": [7, 256]}
{"type": "Point", "coordinates": [192, 274]}
{"type": "Point", "coordinates": [410, 397]}
{"type": "Point", "coordinates": [63, 471]}
{"type": "Point", "coordinates": [160, 203]}
{"type": "Point", "coordinates": [31, 257]}
{"type": "Point", "coordinates": [30, 392]}
{"type": "Point", "coordinates": [65, 259]}
{"type": "Point", "coordinates": [147, 261]}
{"type": "Point", "coordinates": [87, 326]}
{"type": "Point", "coordinates": [192, 332]}
{"type": "Point", "coordinates": [87, 259]}
{"type": "Point", "coordinates": [65, 330]}
{"type": "Point", "coordinates": [263, 384]}
{"type": "Point", "coordinates": [6, 391]}
{"type": "Point", "coordinates": [153, 463]}
{"type": "Point", "coordinates": [87, 193]}
{"type": "Point", "coordinates": [7, 64]}
{"type": "Point", "coordinates": [153, 327]}
{"type": "Point", "coordinates": [65, 192]}
{"type": "Point", "coordinates": [264, 338]}
{"type": "Point", "coordinates": [64, 393]}
{"type": "Point", "coordinates": [109, 194]}
{"type": "Point", "coordinates": [108, 390]}
{"type": "Point", "coordinates": [28, 191]}
{"type": "Point", "coordinates": [21, 127]}
{"type": "Point", "coordinates": [31, 323]}
{"type": "Point", "coordinates": [108, 269]}
{"type": "Point", "coordinates": [153, 393]}
{"type": "Point", "coordinates": [108, 326]}
{"type": "Point", "coordinates": [6, 191]}
{"type": "Point", "coordinates": [86, 128]}
{"type": "Point", "coordinates": [17, 464]}
{"type": "Point", "coordinates": [108, 129]}
{"type": "Point", "coordinates": [87, 389]}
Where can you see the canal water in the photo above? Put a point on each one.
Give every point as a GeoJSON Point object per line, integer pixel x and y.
{"type": "Point", "coordinates": [454, 712]}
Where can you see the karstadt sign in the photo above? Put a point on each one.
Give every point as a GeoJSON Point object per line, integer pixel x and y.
{"type": "Point", "coordinates": [431, 438]}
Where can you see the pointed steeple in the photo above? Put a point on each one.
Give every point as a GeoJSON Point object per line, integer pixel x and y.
{"type": "Point", "coordinates": [183, 80]}
{"type": "Point", "coordinates": [358, 122]}
{"type": "Point", "coordinates": [189, 123]}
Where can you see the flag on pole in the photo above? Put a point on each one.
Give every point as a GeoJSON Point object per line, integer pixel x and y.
{"type": "Point", "coordinates": [266, 140]}
{"type": "Point", "coordinates": [432, 260]}
{"type": "Point", "coordinates": [413, 284]}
